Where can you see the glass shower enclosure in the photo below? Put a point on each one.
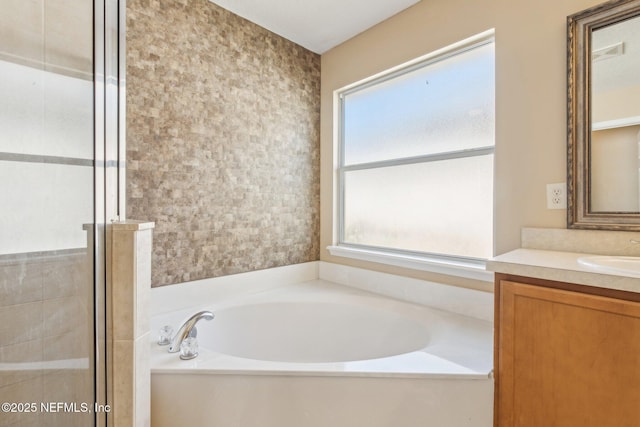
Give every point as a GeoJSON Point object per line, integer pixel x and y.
{"type": "Point", "coordinates": [59, 90]}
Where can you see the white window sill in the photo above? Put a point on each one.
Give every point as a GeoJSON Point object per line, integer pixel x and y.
{"type": "Point", "coordinates": [469, 270]}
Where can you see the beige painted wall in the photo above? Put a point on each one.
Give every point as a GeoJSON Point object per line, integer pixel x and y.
{"type": "Point", "coordinates": [615, 104]}
{"type": "Point", "coordinates": [530, 101]}
{"type": "Point", "coordinates": [614, 170]}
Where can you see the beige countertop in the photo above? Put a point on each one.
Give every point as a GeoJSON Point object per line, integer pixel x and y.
{"type": "Point", "coordinates": [560, 266]}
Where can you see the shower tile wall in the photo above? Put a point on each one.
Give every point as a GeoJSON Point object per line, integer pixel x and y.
{"type": "Point", "coordinates": [44, 338]}
{"type": "Point", "coordinates": [222, 141]}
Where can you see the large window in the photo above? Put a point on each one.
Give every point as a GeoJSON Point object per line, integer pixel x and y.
{"type": "Point", "coordinates": [415, 170]}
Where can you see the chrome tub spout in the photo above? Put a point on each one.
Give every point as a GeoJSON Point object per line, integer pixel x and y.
{"type": "Point", "coordinates": [188, 329]}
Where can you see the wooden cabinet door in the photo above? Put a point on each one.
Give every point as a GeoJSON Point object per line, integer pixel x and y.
{"type": "Point", "coordinates": [566, 359]}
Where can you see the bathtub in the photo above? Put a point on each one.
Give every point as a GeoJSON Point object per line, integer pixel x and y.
{"type": "Point", "coordinates": [319, 353]}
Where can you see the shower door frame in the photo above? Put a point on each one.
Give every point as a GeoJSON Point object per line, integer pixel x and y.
{"type": "Point", "coordinates": [109, 178]}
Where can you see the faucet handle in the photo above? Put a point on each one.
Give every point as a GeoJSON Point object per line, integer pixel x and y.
{"type": "Point", "coordinates": [166, 333]}
{"type": "Point", "coordinates": [189, 348]}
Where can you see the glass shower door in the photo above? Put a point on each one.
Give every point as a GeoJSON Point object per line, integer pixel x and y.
{"type": "Point", "coordinates": [48, 259]}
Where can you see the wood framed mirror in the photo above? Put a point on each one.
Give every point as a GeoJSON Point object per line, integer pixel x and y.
{"type": "Point", "coordinates": [603, 59]}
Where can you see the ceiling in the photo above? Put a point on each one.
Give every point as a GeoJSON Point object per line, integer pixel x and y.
{"type": "Point", "coordinates": [317, 25]}
{"type": "Point", "coordinates": [619, 71]}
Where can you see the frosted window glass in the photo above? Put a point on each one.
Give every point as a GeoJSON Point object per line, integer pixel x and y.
{"type": "Point", "coordinates": [441, 207]}
{"type": "Point", "coordinates": [444, 106]}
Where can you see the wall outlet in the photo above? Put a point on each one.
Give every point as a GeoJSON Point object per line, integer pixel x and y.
{"type": "Point", "coordinates": [557, 196]}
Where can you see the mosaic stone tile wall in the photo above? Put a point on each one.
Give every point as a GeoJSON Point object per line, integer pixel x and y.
{"type": "Point", "coordinates": [223, 141]}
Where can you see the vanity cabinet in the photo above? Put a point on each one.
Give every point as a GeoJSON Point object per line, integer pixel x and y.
{"type": "Point", "coordinates": [565, 355]}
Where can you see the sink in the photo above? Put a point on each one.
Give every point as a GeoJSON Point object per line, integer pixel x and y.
{"type": "Point", "coordinates": [627, 265]}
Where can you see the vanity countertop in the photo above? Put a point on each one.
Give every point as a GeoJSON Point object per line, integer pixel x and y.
{"type": "Point", "coordinates": [560, 266]}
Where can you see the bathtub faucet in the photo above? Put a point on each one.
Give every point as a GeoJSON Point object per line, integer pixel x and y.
{"type": "Point", "coordinates": [188, 329]}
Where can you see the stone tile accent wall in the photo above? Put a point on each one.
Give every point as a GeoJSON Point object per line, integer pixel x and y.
{"type": "Point", "coordinates": [223, 142]}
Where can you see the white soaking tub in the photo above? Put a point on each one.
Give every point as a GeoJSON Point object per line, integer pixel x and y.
{"type": "Point", "coordinates": [320, 354]}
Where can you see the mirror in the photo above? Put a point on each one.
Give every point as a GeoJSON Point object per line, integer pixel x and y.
{"type": "Point", "coordinates": [604, 117]}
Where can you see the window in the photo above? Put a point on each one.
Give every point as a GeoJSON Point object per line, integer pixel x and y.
{"type": "Point", "coordinates": [415, 168]}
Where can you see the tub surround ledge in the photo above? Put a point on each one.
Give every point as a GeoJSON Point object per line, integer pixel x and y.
{"type": "Point", "coordinates": [189, 294]}
{"type": "Point", "coordinates": [468, 302]}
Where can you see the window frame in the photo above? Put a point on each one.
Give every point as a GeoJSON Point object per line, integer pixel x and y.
{"type": "Point", "coordinates": [469, 267]}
